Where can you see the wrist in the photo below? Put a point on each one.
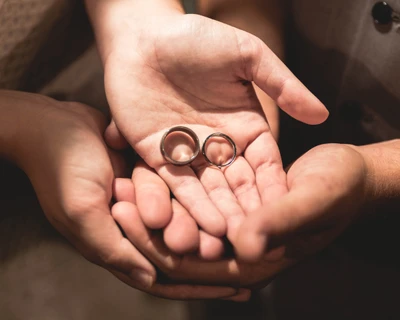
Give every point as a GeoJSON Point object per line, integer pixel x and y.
{"type": "Point", "coordinates": [116, 21]}
{"type": "Point", "coordinates": [382, 162]}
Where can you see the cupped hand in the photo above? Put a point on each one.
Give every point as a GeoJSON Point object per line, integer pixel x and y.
{"type": "Point", "coordinates": [192, 71]}
{"type": "Point", "coordinates": [327, 189]}
{"type": "Point", "coordinates": [181, 235]}
{"type": "Point", "coordinates": [61, 148]}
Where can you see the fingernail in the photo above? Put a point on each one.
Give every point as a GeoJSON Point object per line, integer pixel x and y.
{"type": "Point", "coordinates": [142, 277]}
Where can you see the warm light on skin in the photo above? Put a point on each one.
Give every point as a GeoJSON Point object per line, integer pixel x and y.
{"type": "Point", "coordinates": [179, 146]}
{"type": "Point", "coordinates": [219, 150]}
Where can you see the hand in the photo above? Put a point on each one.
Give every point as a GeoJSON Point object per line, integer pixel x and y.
{"type": "Point", "coordinates": [184, 268]}
{"type": "Point", "coordinates": [327, 188]}
{"type": "Point", "coordinates": [193, 71]}
{"type": "Point", "coordinates": [60, 147]}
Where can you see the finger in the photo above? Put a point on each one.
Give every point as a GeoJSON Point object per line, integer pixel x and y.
{"type": "Point", "coordinates": [264, 157]}
{"type": "Point", "coordinates": [211, 248]}
{"type": "Point", "coordinates": [242, 181]}
{"type": "Point", "coordinates": [183, 291]}
{"type": "Point", "coordinates": [191, 194]}
{"type": "Point", "coordinates": [188, 269]}
{"type": "Point", "coordinates": [114, 138]}
{"type": "Point", "coordinates": [123, 190]}
{"type": "Point", "coordinates": [119, 164]}
{"type": "Point", "coordinates": [181, 235]}
{"type": "Point", "coordinates": [269, 73]}
{"type": "Point", "coordinates": [153, 247]}
{"type": "Point", "coordinates": [242, 296]}
{"type": "Point", "coordinates": [100, 240]}
{"type": "Point", "coordinates": [282, 219]}
{"type": "Point", "coordinates": [228, 271]}
{"type": "Point", "coordinates": [220, 193]}
{"type": "Point", "coordinates": [148, 242]}
{"type": "Point", "coordinates": [152, 197]}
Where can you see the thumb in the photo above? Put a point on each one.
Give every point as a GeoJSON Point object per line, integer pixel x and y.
{"type": "Point", "coordinates": [297, 211]}
{"type": "Point", "coordinates": [114, 138]}
{"type": "Point", "coordinates": [269, 73]}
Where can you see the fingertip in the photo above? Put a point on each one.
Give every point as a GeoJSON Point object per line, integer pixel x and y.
{"type": "Point", "coordinates": [182, 236]}
{"type": "Point", "coordinates": [123, 190]}
{"type": "Point", "coordinates": [250, 246]}
{"type": "Point", "coordinates": [317, 116]}
{"type": "Point", "coordinates": [152, 197]}
{"type": "Point", "coordinates": [155, 210]}
{"type": "Point", "coordinates": [210, 248]}
{"type": "Point", "coordinates": [121, 210]}
{"type": "Point", "coordinates": [216, 226]}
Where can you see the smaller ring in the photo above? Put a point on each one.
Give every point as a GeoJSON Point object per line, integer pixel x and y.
{"type": "Point", "coordinates": [227, 138]}
{"type": "Point", "coordinates": [188, 131]}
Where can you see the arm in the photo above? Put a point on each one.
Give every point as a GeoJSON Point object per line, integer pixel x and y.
{"type": "Point", "coordinates": [110, 18]}
{"type": "Point", "coordinates": [383, 170]}
{"type": "Point", "coordinates": [262, 18]}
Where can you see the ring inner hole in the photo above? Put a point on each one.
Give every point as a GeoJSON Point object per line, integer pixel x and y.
{"type": "Point", "coordinates": [179, 146]}
{"type": "Point", "coordinates": [218, 150]}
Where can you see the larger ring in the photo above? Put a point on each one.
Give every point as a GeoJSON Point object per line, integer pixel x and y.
{"type": "Point", "coordinates": [227, 138]}
{"type": "Point", "coordinates": [189, 132]}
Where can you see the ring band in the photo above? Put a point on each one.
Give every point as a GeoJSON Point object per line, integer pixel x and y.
{"type": "Point", "coordinates": [189, 132]}
{"type": "Point", "coordinates": [227, 138]}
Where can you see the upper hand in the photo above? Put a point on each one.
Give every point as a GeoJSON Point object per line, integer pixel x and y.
{"type": "Point", "coordinates": [193, 71]}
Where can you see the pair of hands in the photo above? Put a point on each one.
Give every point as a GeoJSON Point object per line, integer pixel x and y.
{"type": "Point", "coordinates": [72, 171]}
{"type": "Point", "coordinates": [205, 86]}
{"type": "Point", "coordinates": [193, 71]}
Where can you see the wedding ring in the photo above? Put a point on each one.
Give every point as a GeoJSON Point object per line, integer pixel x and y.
{"type": "Point", "coordinates": [169, 157]}
{"type": "Point", "coordinates": [227, 138]}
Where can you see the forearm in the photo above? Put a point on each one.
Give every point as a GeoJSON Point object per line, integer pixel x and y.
{"type": "Point", "coordinates": [111, 18]}
{"type": "Point", "coordinates": [383, 170]}
{"type": "Point", "coordinates": [262, 18]}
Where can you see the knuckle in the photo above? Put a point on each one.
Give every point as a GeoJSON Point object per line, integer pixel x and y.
{"type": "Point", "coordinates": [243, 185]}
{"type": "Point", "coordinates": [250, 50]}
{"type": "Point", "coordinates": [107, 259]}
{"type": "Point", "coordinates": [78, 207]}
{"type": "Point", "coordinates": [172, 267]}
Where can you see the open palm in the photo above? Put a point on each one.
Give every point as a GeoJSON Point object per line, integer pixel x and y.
{"type": "Point", "coordinates": [193, 71]}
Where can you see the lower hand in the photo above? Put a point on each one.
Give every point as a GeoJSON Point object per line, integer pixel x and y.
{"type": "Point", "coordinates": [327, 188]}
{"type": "Point", "coordinates": [181, 235]}
{"type": "Point", "coordinates": [61, 149]}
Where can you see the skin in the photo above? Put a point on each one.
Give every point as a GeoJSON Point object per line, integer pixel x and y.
{"type": "Point", "coordinates": [330, 187]}
{"type": "Point", "coordinates": [179, 268]}
{"type": "Point", "coordinates": [327, 188]}
{"type": "Point", "coordinates": [60, 147]}
{"type": "Point", "coordinates": [186, 83]}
